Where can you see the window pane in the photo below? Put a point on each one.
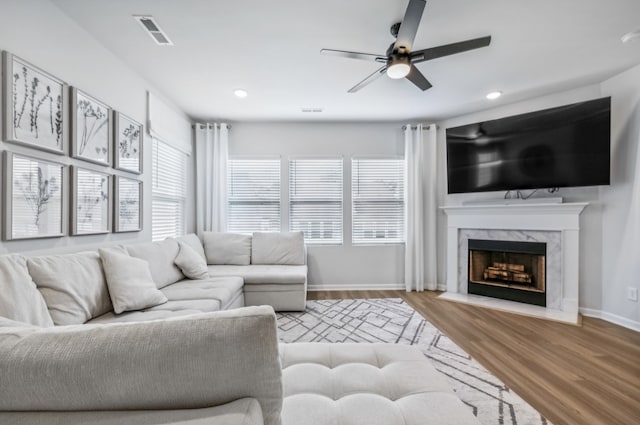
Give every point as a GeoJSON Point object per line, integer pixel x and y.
{"type": "Point", "coordinates": [377, 191]}
{"type": "Point", "coordinates": [254, 195]}
{"type": "Point", "coordinates": [315, 199]}
{"type": "Point", "coordinates": [169, 175]}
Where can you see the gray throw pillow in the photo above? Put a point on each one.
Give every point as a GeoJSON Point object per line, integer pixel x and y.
{"type": "Point", "coordinates": [73, 286]}
{"type": "Point", "coordinates": [191, 263]}
{"type": "Point", "coordinates": [131, 286]}
{"type": "Point", "coordinates": [20, 300]}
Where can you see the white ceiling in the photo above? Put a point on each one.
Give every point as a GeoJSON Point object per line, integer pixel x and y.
{"type": "Point", "coordinates": [272, 49]}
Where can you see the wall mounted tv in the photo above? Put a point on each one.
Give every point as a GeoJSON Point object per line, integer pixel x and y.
{"type": "Point", "coordinates": [558, 147]}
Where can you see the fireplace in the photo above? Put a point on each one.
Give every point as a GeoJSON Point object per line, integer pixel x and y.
{"type": "Point", "coordinates": [510, 270]}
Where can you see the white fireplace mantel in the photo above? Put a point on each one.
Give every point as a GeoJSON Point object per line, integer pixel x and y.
{"type": "Point", "coordinates": [525, 216]}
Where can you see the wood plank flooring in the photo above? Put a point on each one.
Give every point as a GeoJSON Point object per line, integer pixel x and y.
{"type": "Point", "coordinates": [587, 375]}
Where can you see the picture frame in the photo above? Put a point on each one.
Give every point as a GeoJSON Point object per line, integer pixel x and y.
{"type": "Point", "coordinates": [34, 191]}
{"type": "Point", "coordinates": [91, 128]}
{"type": "Point", "coordinates": [91, 199]}
{"type": "Point", "coordinates": [127, 205]}
{"type": "Point", "coordinates": [35, 106]}
{"type": "Point", "coordinates": [128, 143]}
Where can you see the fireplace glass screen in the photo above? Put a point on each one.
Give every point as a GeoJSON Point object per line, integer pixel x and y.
{"type": "Point", "coordinates": [508, 270]}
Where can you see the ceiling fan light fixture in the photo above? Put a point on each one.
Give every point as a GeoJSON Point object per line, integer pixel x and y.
{"type": "Point", "coordinates": [399, 67]}
{"type": "Point", "coordinates": [398, 70]}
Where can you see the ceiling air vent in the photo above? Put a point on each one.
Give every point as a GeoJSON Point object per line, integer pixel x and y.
{"type": "Point", "coordinates": [312, 110]}
{"type": "Point", "coordinates": [151, 27]}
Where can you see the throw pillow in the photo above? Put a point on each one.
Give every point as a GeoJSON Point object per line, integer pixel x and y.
{"type": "Point", "coordinates": [131, 286]}
{"type": "Point", "coordinates": [194, 242]}
{"type": "Point", "coordinates": [227, 248]}
{"type": "Point", "coordinates": [20, 300]}
{"type": "Point", "coordinates": [160, 256]}
{"type": "Point", "coordinates": [191, 263]}
{"type": "Point", "coordinates": [73, 286]}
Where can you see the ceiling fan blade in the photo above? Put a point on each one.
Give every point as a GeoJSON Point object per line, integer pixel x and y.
{"type": "Point", "coordinates": [409, 26]}
{"type": "Point", "coordinates": [449, 49]}
{"type": "Point", "coordinates": [354, 55]}
{"type": "Point", "coordinates": [370, 79]}
{"type": "Point", "coordinates": [418, 79]}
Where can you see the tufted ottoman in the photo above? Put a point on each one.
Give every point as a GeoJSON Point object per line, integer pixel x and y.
{"type": "Point", "coordinates": [366, 384]}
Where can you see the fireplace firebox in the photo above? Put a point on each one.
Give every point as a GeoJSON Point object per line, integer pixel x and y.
{"type": "Point", "coordinates": [509, 270]}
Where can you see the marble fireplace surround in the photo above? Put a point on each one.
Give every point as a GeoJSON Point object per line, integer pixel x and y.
{"type": "Point", "coordinates": [557, 224]}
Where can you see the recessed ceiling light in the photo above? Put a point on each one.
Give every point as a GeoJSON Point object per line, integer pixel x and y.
{"type": "Point", "coordinates": [630, 36]}
{"type": "Point", "coordinates": [241, 93]}
{"type": "Point", "coordinates": [494, 95]}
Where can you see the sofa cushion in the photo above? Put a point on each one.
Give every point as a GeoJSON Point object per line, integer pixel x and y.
{"type": "Point", "coordinates": [255, 273]}
{"type": "Point", "coordinates": [160, 256]}
{"type": "Point", "coordinates": [73, 286]}
{"type": "Point", "coordinates": [20, 300]}
{"type": "Point", "coordinates": [141, 316]}
{"type": "Point", "coordinates": [227, 248]}
{"type": "Point", "coordinates": [223, 289]}
{"type": "Point", "coordinates": [130, 283]}
{"type": "Point", "coordinates": [194, 242]}
{"type": "Point", "coordinates": [285, 248]}
{"type": "Point", "coordinates": [191, 263]}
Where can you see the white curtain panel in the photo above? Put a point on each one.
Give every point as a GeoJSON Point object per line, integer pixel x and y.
{"type": "Point", "coordinates": [420, 198]}
{"type": "Point", "coordinates": [212, 152]}
{"type": "Point", "coordinates": [627, 265]}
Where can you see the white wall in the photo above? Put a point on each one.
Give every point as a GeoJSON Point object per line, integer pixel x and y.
{"type": "Point", "coordinates": [621, 215]}
{"type": "Point", "coordinates": [337, 267]}
{"type": "Point", "coordinates": [38, 32]}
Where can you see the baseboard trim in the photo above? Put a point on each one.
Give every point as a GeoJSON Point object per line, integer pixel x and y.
{"type": "Point", "coordinates": [610, 317]}
{"type": "Point", "coordinates": [352, 287]}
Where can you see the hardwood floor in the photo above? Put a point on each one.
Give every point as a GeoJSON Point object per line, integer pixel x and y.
{"type": "Point", "coordinates": [587, 375]}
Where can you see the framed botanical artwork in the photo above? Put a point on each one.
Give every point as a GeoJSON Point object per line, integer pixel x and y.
{"type": "Point", "coordinates": [35, 106]}
{"type": "Point", "coordinates": [90, 202]}
{"type": "Point", "coordinates": [128, 138]}
{"type": "Point", "coordinates": [128, 205]}
{"type": "Point", "coordinates": [90, 128]}
{"type": "Point", "coordinates": [34, 198]}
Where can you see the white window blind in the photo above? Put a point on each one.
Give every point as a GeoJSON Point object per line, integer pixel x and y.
{"type": "Point", "coordinates": [168, 191]}
{"type": "Point", "coordinates": [377, 193]}
{"type": "Point", "coordinates": [253, 193]}
{"type": "Point", "coordinates": [315, 199]}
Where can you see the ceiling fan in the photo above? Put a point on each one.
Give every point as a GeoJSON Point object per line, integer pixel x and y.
{"type": "Point", "coordinates": [399, 60]}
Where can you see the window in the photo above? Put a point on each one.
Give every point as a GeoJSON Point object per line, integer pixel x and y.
{"type": "Point", "coordinates": [253, 193]}
{"type": "Point", "coordinates": [377, 193]}
{"type": "Point", "coordinates": [315, 199]}
{"type": "Point", "coordinates": [168, 191]}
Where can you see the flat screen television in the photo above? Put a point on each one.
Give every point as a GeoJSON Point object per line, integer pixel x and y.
{"type": "Point", "coordinates": [558, 147]}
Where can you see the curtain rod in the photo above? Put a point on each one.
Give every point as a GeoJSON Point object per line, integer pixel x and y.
{"type": "Point", "coordinates": [424, 127]}
{"type": "Point", "coordinates": [203, 126]}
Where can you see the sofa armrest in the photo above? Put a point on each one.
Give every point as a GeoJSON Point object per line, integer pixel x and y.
{"type": "Point", "coordinates": [189, 362]}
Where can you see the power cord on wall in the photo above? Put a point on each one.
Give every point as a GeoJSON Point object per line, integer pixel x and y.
{"type": "Point", "coordinates": [517, 194]}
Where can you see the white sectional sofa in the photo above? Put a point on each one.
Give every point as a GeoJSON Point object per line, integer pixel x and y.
{"type": "Point", "coordinates": [273, 266]}
{"type": "Point", "coordinates": [122, 336]}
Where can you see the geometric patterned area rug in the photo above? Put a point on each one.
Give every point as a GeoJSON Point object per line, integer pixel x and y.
{"type": "Point", "coordinates": [392, 320]}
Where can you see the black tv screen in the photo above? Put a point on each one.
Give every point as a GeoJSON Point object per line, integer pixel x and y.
{"type": "Point", "coordinates": [558, 147]}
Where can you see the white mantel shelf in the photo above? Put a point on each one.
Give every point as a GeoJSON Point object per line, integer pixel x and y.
{"type": "Point", "coordinates": [533, 216]}
{"type": "Point", "coordinates": [520, 216]}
